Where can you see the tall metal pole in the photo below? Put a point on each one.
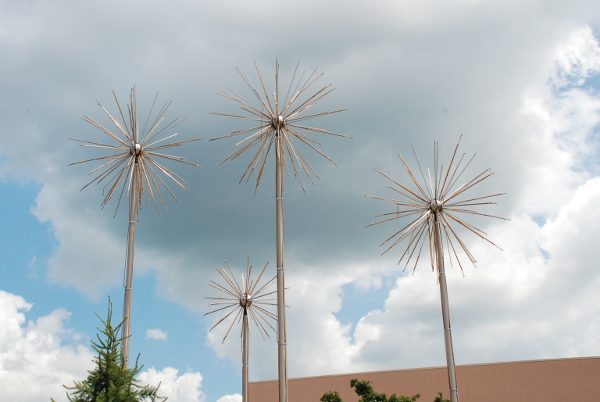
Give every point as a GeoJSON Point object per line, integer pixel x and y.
{"type": "Point", "coordinates": [245, 355]}
{"type": "Point", "coordinates": [439, 258]}
{"type": "Point", "coordinates": [281, 327]}
{"type": "Point", "coordinates": [133, 210]}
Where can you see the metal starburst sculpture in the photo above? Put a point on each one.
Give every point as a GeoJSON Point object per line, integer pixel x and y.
{"type": "Point", "coordinates": [279, 124]}
{"type": "Point", "coordinates": [132, 168]}
{"type": "Point", "coordinates": [433, 207]}
{"type": "Point", "coordinates": [247, 299]}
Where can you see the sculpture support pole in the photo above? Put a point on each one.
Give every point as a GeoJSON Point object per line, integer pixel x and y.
{"type": "Point", "coordinates": [245, 356]}
{"type": "Point", "coordinates": [281, 328]}
{"type": "Point", "coordinates": [133, 209]}
{"type": "Point", "coordinates": [439, 258]}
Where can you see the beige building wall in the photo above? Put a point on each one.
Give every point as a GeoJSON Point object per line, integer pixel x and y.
{"type": "Point", "coordinates": [572, 380]}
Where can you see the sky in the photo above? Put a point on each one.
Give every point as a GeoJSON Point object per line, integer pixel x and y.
{"type": "Point", "coordinates": [518, 80]}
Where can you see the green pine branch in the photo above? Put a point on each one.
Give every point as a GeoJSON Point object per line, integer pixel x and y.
{"type": "Point", "coordinates": [110, 380]}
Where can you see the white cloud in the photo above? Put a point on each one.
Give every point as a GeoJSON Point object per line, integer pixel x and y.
{"type": "Point", "coordinates": [156, 333]}
{"type": "Point", "coordinates": [89, 257]}
{"type": "Point", "coordinates": [230, 398]}
{"type": "Point", "coordinates": [183, 388]}
{"type": "Point", "coordinates": [33, 362]}
{"type": "Point", "coordinates": [577, 58]}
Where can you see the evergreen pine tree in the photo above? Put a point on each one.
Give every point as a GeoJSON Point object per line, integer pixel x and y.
{"type": "Point", "coordinates": [110, 380]}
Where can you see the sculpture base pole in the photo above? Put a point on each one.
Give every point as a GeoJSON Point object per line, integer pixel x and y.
{"type": "Point", "coordinates": [245, 356]}
{"type": "Point", "coordinates": [439, 257]}
{"type": "Point", "coordinates": [281, 327]}
{"type": "Point", "coordinates": [133, 208]}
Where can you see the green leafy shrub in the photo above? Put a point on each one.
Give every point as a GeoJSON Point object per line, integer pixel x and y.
{"type": "Point", "coordinates": [367, 394]}
{"type": "Point", "coordinates": [440, 398]}
{"type": "Point", "coordinates": [365, 390]}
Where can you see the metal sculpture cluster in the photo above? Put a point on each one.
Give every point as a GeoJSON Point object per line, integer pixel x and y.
{"type": "Point", "coordinates": [432, 207]}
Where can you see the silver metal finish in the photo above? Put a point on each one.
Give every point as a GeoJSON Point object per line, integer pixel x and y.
{"type": "Point", "coordinates": [133, 210]}
{"type": "Point", "coordinates": [279, 241]}
{"type": "Point", "coordinates": [132, 165]}
{"type": "Point", "coordinates": [248, 299]}
{"type": "Point", "coordinates": [245, 300]}
{"type": "Point", "coordinates": [245, 356]}
{"type": "Point", "coordinates": [439, 259]}
{"type": "Point", "coordinates": [431, 206]}
{"type": "Point", "coordinates": [277, 124]}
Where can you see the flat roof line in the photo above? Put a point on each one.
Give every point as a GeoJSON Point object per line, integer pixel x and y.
{"type": "Point", "coordinates": [435, 368]}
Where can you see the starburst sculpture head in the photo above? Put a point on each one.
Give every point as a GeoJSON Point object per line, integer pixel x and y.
{"type": "Point", "coordinates": [245, 298]}
{"type": "Point", "coordinates": [437, 202]}
{"type": "Point", "coordinates": [135, 152]}
{"type": "Point", "coordinates": [279, 123]}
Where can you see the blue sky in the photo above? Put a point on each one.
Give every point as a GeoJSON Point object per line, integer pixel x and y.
{"type": "Point", "coordinates": [519, 80]}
